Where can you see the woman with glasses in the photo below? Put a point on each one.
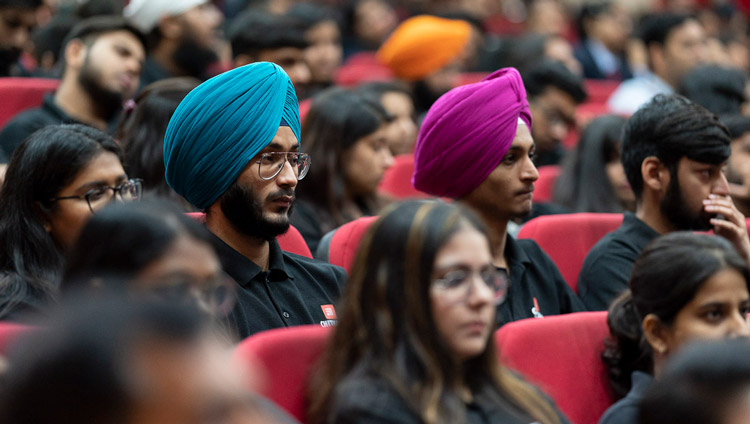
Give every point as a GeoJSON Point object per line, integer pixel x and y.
{"type": "Point", "coordinates": [684, 287]}
{"type": "Point", "coordinates": [152, 250]}
{"type": "Point", "coordinates": [56, 179]}
{"type": "Point", "coordinates": [347, 139]}
{"type": "Point", "coordinates": [414, 339]}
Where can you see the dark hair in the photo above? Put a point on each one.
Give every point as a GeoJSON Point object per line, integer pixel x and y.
{"type": "Point", "coordinates": [719, 89]}
{"type": "Point", "coordinates": [307, 15]}
{"type": "Point", "coordinates": [91, 8]}
{"type": "Point", "coordinates": [141, 132]}
{"type": "Point", "coordinates": [590, 11]}
{"type": "Point", "coordinates": [40, 167]}
{"type": "Point", "coordinates": [656, 28]}
{"type": "Point", "coordinates": [82, 366]}
{"type": "Point", "coordinates": [671, 127]}
{"type": "Point", "coordinates": [337, 118]}
{"type": "Point", "coordinates": [27, 4]}
{"type": "Point", "coordinates": [737, 125]}
{"type": "Point", "coordinates": [666, 276]}
{"type": "Point", "coordinates": [552, 73]}
{"type": "Point", "coordinates": [254, 31]}
{"type": "Point", "coordinates": [699, 385]}
{"type": "Point", "coordinates": [88, 30]}
{"type": "Point", "coordinates": [50, 37]}
{"type": "Point", "coordinates": [387, 328]}
{"type": "Point", "coordinates": [583, 185]}
{"type": "Point", "coordinates": [374, 90]}
{"type": "Point", "coordinates": [135, 235]}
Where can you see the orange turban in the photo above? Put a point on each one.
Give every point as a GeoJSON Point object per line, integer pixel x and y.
{"type": "Point", "coordinates": [423, 44]}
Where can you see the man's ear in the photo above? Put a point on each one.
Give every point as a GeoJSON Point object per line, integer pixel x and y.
{"type": "Point", "coordinates": [656, 334]}
{"type": "Point", "coordinates": [655, 175]}
{"type": "Point", "coordinates": [75, 53]}
{"type": "Point", "coordinates": [170, 28]}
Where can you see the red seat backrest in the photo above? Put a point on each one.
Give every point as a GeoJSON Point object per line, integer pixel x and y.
{"type": "Point", "coordinates": [345, 242]}
{"type": "Point", "coordinates": [361, 67]}
{"type": "Point", "coordinates": [568, 238]}
{"type": "Point", "coordinates": [545, 185]}
{"type": "Point", "coordinates": [19, 94]}
{"type": "Point", "coordinates": [9, 332]}
{"type": "Point", "coordinates": [396, 182]}
{"type": "Point", "coordinates": [599, 90]}
{"type": "Point", "coordinates": [291, 241]}
{"type": "Point", "coordinates": [562, 355]}
{"type": "Point", "coordinates": [288, 355]}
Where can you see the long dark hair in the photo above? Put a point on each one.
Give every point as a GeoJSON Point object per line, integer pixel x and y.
{"type": "Point", "coordinates": [387, 327]}
{"type": "Point", "coordinates": [583, 185]}
{"type": "Point", "coordinates": [666, 276]}
{"type": "Point", "coordinates": [142, 130]}
{"type": "Point", "coordinates": [40, 167]}
{"type": "Point", "coordinates": [337, 119]}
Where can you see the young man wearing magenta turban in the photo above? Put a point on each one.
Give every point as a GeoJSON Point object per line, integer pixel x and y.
{"type": "Point", "coordinates": [475, 146]}
{"type": "Point", "coordinates": [232, 148]}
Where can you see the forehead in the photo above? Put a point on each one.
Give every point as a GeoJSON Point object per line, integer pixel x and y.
{"type": "Point", "coordinates": [283, 141]}
{"type": "Point", "coordinates": [689, 29]}
{"type": "Point", "coordinates": [523, 138]}
{"type": "Point", "coordinates": [120, 36]}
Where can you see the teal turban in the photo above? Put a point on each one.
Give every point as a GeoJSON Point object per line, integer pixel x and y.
{"type": "Point", "coordinates": [222, 124]}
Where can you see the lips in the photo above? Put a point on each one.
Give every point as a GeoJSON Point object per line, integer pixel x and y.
{"type": "Point", "coordinates": [526, 191]}
{"type": "Point", "coordinates": [476, 326]}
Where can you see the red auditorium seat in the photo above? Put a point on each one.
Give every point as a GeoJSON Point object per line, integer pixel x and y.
{"type": "Point", "coordinates": [568, 238]}
{"type": "Point", "coordinates": [396, 182]}
{"type": "Point", "coordinates": [599, 90]}
{"type": "Point", "coordinates": [19, 94]}
{"type": "Point", "coordinates": [561, 354]}
{"type": "Point", "coordinates": [291, 241]}
{"type": "Point", "coordinates": [361, 67]}
{"type": "Point", "coordinates": [545, 185]}
{"type": "Point", "coordinates": [9, 332]}
{"type": "Point", "coordinates": [288, 355]}
{"type": "Point", "coordinates": [345, 242]}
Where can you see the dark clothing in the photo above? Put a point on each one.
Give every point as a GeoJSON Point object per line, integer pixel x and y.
{"type": "Point", "coordinates": [536, 287]}
{"type": "Point", "coordinates": [152, 72]}
{"type": "Point", "coordinates": [550, 157]}
{"type": "Point", "coordinates": [371, 400]}
{"type": "Point", "coordinates": [293, 291]}
{"type": "Point", "coordinates": [307, 221]}
{"type": "Point", "coordinates": [625, 411]}
{"type": "Point", "coordinates": [27, 122]}
{"type": "Point", "coordinates": [606, 269]}
{"type": "Point", "coordinates": [585, 56]}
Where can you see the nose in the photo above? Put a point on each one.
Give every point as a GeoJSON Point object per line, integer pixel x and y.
{"type": "Point", "coordinates": [302, 74]}
{"type": "Point", "coordinates": [479, 292]}
{"type": "Point", "coordinates": [529, 171]}
{"type": "Point", "coordinates": [740, 326]}
{"type": "Point", "coordinates": [721, 185]}
{"type": "Point", "coordinates": [288, 175]}
{"type": "Point", "coordinates": [387, 158]}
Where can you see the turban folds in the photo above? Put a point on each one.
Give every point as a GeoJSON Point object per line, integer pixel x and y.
{"type": "Point", "coordinates": [466, 133]}
{"type": "Point", "coordinates": [422, 45]}
{"type": "Point", "coordinates": [222, 124]}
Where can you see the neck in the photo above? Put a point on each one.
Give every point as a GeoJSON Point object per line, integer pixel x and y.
{"type": "Point", "coordinates": [78, 104]}
{"type": "Point", "coordinates": [648, 211]}
{"type": "Point", "coordinates": [498, 229]}
{"type": "Point", "coordinates": [253, 248]}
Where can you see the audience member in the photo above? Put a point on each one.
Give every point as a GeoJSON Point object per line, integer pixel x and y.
{"type": "Point", "coordinates": [135, 362]}
{"type": "Point", "coordinates": [346, 136]}
{"type": "Point", "coordinates": [546, 17]}
{"type": "Point", "coordinates": [397, 101]}
{"type": "Point", "coordinates": [368, 24]}
{"type": "Point", "coordinates": [141, 134]}
{"type": "Point", "coordinates": [183, 37]}
{"type": "Point", "coordinates": [708, 383]}
{"type": "Point", "coordinates": [554, 92]}
{"type": "Point", "coordinates": [258, 36]}
{"type": "Point", "coordinates": [673, 153]}
{"type": "Point", "coordinates": [415, 340]}
{"type": "Point", "coordinates": [475, 146]}
{"type": "Point", "coordinates": [721, 90]}
{"type": "Point", "coordinates": [592, 177]}
{"type": "Point", "coordinates": [103, 57]}
{"type": "Point", "coordinates": [684, 287]}
{"type": "Point", "coordinates": [525, 51]}
{"type": "Point", "coordinates": [604, 28]}
{"type": "Point", "coordinates": [324, 51]}
{"type": "Point", "coordinates": [738, 166]}
{"type": "Point", "coordinates": [17, 20]}
{"type": "Point", "coordinates": [675, 44]}
{"type": "Point", "coordinates": [427, 52]}
{"type": "Point", "coordinates": [47, 44]}
{"type": "Point", "coordinates": [151, 249]}
{"type": "Point", "coordinates": [226, 151]}
{"type": "Point", "coordinates": [55, 180]}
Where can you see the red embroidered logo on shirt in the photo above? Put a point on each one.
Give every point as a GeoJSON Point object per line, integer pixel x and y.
{"type": "Point", "coordinates": [328, 311]}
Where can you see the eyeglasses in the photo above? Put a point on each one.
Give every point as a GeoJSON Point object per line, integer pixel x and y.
{"type": "Point", "coordinates": [272, 163]}
{"type": "Point", "coordinates": [457, 285]}
{"type": "Point", "coordinates": [215, 295]}
{"type": "Point", "coordinates": [97, 197]}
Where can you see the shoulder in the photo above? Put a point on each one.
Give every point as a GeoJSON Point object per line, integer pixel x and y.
{"type": "Point", "coordinates": [361, 399]}
{"type": "Point", "coordinates": [624, 411]}
{"type": "Point", "coordinates": [304, 266]}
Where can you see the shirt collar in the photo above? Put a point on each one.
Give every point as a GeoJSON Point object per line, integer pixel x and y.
{"type": "Point", "coordinates": [243, 270]}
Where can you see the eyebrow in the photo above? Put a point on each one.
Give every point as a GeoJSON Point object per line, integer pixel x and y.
{"type": "Point", "coordinates": [278, 147]}
{"type": "Point", "coordinates": [120, 178]}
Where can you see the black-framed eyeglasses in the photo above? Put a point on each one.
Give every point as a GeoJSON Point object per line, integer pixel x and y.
{"type": "Point", "coordinates": [97, 197]}
{"type": "Point", "coordinates": [215, 295]}
{"type": "Point", "coordinates": [271, 164]}
{"type": "Point", "coordinates": [458, 284]}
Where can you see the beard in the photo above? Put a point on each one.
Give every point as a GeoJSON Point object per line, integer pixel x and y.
{"type": "Point", "coordinates": [109, 102]}
{"type": "Point", "coordinates": [674, 208]}
{"type": "Point", "coordinates": [245, 212]}
{"type": "Point", "coordinates": [193, 58]}
{"type": "Point", "coordinates": [8, 57]}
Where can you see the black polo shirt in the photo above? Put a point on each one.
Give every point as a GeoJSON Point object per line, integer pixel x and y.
{"type": "Point", "coordinates": [295, 290]}
{"type": "Point", "coordinates": [606, 269]}
{"type": "Point", "coordinates": [536, 287]}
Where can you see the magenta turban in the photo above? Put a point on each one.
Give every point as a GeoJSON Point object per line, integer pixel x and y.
{"type": "Point", "coordinates": [467, 132]}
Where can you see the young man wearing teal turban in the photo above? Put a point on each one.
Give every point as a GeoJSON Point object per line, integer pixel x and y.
{"type": "Point", "coordinates": [475, 146]}
{"type": "Point", "coordinates": [232, 148]}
